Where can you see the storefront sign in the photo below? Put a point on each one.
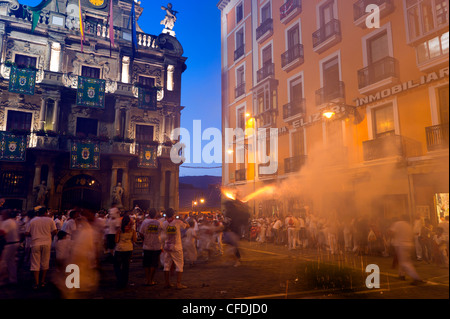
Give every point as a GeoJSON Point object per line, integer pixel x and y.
{"type": "Point", "coordinates": [425, 79]}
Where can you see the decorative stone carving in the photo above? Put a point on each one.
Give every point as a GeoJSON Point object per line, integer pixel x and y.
{"type": "Point", "coordinates": [145, 119]}
{"type": "Point", "coordinates": [91, 59]}
{"type": "Point", "coordinates": [70, 80]}
{"type": "Point", "coordinates": [111, 86]}
{"type": "Point", "coordinates": [151, 71]}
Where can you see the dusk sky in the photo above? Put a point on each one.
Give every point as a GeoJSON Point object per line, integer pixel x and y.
{"type": "Point", "coordinates": [198, 30]}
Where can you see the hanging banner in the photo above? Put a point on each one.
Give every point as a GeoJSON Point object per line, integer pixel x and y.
{"type": "Point", "coordinates": [12, 147]}
{"type": "Point", "coordinates": [22, 80]}
{"type": "Point", "coordinates": [91, 92]}
{"type": "Point", "coordinates": [84, 155]}
{"type": "Point", "coordinates": [147, 156]}
{"type": "Point", "coordinates": [147, 99]}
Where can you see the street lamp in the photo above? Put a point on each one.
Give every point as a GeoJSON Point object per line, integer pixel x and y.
{"type": "Point", "coordinates": [345, 110]}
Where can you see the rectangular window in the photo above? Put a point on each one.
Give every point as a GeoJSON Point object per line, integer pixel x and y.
{"type": "Point", "coordinates": [87, 127]}
{"type": "Point", "coordinates": [298, 143]}
{"type": "Point", "coordinates": [331, 75]}
{"type": "Point", "coordinates": [144, 133]}
{"type": "Point", "coordinates": [383, 121]}
{"type": "Point", "coordinates": [25, 61]}
{"type": "Point", "coordinates": [443, 105]}
{"type": "Point", "coordinates": [377, 47]}
{"type": "Point", "coordinates": [425, 16]}
{"type": "Point", "coordinates": [147, 81]}
{"type": "Point", "coordinates": [18, 121]}
{"type": "Point", "coordinates": [239, 38]}
{"type": "Point", "coordinates": [326, 13]}
{"type": "Point", "coordinates": [49, 115]}
{"type": "Point", "coordinates": [88, 72]}
{"type": "Point", "coordinates": [265, 13]}
{"type": "Point", "coordinates": [240, 76]}
{"type": "Point", "coordinates": [296, 89]}
{"type": "Point", "coordinates": [13, 183]}
{"type": "Point", "coordinates": [240, 121]}
{"type": "Point", "coordinates": [239, 12]}
{"type": "Point", "coordinates": [293, 37]}
{"type": "Point", "coordinates": [267, 55]}
{"type": "Point", "coordinates": [142, 185]}
{"type": "Point", "coordinates": [433, 48]}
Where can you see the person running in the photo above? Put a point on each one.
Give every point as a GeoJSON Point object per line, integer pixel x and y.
{"type": "Point", "coordinates": [150, 231]}
{"type": "Point", "coordinates": [173, 247]}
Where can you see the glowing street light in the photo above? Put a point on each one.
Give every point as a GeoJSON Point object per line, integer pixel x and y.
{"type": "Point", "coordinates": [328, 114]}
{"type": "Point", "coordinates": [202, 201]}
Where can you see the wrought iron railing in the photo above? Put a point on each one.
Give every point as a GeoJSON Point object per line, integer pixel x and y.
{"type": "Point", "coordinates": [267, 70]}
{"type": "Point", "coordinates": [292, 54]}
{"type": "Point", "coordinates": [325, 32]}
{"type": "Point", "coordinates": [437, 137]}
{"type": "Point", "coordinates": [240, 90]}
{"type": "Point", "coordinates": [265, 27]}
{"type": "Point", "coordinates": [294, 108]}
{"type": "Point", "coordinates": [378, 71]}
{"type": "Point", "coordinates": [239, 52]}
{"type": "Point", "coordinates": [330, 93]}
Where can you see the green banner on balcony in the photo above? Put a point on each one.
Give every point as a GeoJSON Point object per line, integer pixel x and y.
{"type": "Point", "coordinates": [147, 156]}
{"type": "Point", "coordinates": [12, 148]}
{"type": "Point", "coordinates": [147, 99]}
{"type": "Point", "coordinates": [91, 92]}
{"type": "Point", "coordinates": [84, 155]}
{"type": "Point", "coordinates": [22, 80]}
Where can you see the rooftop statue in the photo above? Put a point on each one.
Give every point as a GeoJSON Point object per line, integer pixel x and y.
{"type": "Point", "coordinates": [170, 19]}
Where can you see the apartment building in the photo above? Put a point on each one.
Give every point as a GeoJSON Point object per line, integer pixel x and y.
{"type": "Point", "coordinates": [360, 104]}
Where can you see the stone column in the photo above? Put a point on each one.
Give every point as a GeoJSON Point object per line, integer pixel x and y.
{"type": "Point", "coordinates": [162, 189]}
{"type": "Point", "coordinates": [126, 187]}
{"type": "Point", "coordinates": [42, 113]}
{"type": "Point", "coordinates": [170, 82]}
{"type": "Point", "coordinates": [126, 69]}
{"type": "Point", "coordinates": [113, 183]}
{"type": "Point", "coordinates": [55, 57]}
{"type": "Point", "coordinates": [172, 199]}
{"type": "Point", "coordinates": [55, 118]}
{"type": "Point", "coordinates": [51, 186]}
{"type": "Point", "coordinates": [117, 121]}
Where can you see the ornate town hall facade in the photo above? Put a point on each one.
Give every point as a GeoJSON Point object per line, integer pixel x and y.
{"type": "Point", "coordinates": [87, 121]}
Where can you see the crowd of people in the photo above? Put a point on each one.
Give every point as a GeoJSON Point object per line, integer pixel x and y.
{"type": "Point", "coordinates": [35, 239]}
{"type": "Point", "coordinates": [170, 241]}
{"type": "Point", "coordinates": [362, 235]}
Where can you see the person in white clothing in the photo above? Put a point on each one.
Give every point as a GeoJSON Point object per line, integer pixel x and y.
{"type": "Point", "coordinates": [173, 247]}
{"type": "Point", "coordinates": [41, 229]}
{"type": "Point", "coordinates": [403, 243]}
{"type": "Point", "coordinates": [417, 228]}
{"type": "Point", "coordinates": [11, 232]}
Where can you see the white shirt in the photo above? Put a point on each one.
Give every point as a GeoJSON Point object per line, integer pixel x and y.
{"type": "Point", "coordinates": [11, 229]}
{"type": "Point", "coordinates": [69, 227]}
{"type": "Point", "coordinates": [41, 229]}
{"type": "Point", "coordinates": [151, 229]}
{"type": "Point", "coordinates": [172, 232]}
{"type": "Point", "coordinates": [403, 235]}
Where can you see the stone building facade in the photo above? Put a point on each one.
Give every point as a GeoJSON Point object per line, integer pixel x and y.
{"type": "Point", "coordinates": [52, 121]}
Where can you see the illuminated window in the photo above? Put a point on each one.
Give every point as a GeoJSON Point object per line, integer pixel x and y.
{"type": "Point", "coordinates": [12, 183]}
{"type": "Point", "coordinates": [433, 48]}
{"type": "Point", "coordinates": [383, 121]}
{"type": "Point", "coordinates": [142, 185]}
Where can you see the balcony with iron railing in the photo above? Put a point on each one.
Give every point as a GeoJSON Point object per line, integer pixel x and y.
{"type": "Point", "coordinates": [294, 164]}
{"type": "Point", "coordinates": [293, 57]}
{"type": "Point", "coordinates": [266, 71]}
{"type": "Point", "coordinates": [331, 93]}
{"type": "Point", "coordinates": [265, 30]}
{"type": "Point", "coordinates": [437, 137]}
{"type": "Point", "coordinates": [378, 75]}
{"type": "Point", "coordinates": [239, 90]}
{"type": "Point", "coordinates": [359, 10]}
{"type": "Point", "coordinates": [239, 52]}
{"type": "Point", "coordinates": [289, 10]}
{"type": "Point", "coordinates": [391, 146]}
{"type": "Point", "coordinates": [327, 36]}
{"type": "Point", "coordinates": [241, 175]}
{"type": "Point", "coordinates": [293, 110]}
